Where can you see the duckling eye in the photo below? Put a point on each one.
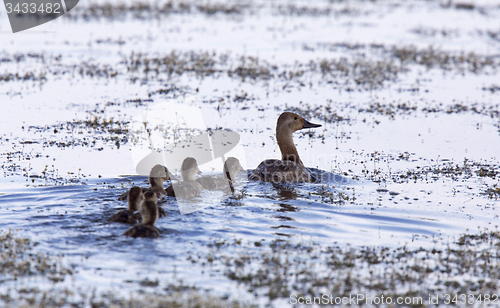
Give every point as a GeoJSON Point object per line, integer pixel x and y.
{"type": "Point", "coordinates": [295, 118]}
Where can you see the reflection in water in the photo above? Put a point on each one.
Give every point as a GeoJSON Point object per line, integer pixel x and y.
{"type": "Point", "coordinates": [284, 218]}
{"type": "Point", "coordinates": [285, 192]}
{"type": "Point", "coordinates": [286, 207]}
{"type": "Point", "coordinates": [283, 234]}
{"type": "Point", "coordinates": [282, 227]}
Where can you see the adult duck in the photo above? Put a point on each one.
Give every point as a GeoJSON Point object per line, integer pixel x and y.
{"type": "Point", "coordinates": [290, 168]}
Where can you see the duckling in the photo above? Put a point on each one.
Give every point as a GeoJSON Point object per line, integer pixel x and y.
{"type": "Point", "coordinates": [151, 196]}
{"type": "Point", "coordinates": [146, 228]}
{"type": "Point", "coordinates": [290, 168]}
{"type": "Point", "coordinates": [135, 199]}
{"type": "Point", "coordinates": [188, 188]}
{"type": "Point", "coordinates": [232, 167]}
{"type": "Point", "coordinates": [157, 176]}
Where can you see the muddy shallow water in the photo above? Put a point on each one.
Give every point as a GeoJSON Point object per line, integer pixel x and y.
{"type": "Point", "coordinates": [407, 93]}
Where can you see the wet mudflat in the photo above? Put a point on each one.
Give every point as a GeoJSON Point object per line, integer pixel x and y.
{"type": "Point", "coordinates": [407, 93]}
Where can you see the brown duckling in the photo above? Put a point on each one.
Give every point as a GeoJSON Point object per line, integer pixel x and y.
{"type": "Point", "coordinates": [290, 168]}
{"type": "Point", "coordinates": [157, 176]}
{"type": "Point", "coordinates": [149, 215]}
{"type": "Point", "coordinates": [151, 196]}
{"type": "Point", "coordinates": [135, 199]}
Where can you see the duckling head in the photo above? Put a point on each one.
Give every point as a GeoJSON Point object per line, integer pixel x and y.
{"type": "Point", "coordinates": [232, 167]}
{"type": "Point", "coordinates": [150, 196]}
{"type": "Point", "coordinates": [158, 175]}
{"type": "Point", "coordinates": [148, 212]}
{"type": "Point", "coordinates": [189, 169]}
{"type": "Point", "coordinates": [135, 198]}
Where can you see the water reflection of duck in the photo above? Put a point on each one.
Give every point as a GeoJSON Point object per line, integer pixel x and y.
{"type": "Point", "coordinates": [135, 200]}
{"type": "Point", "coordinates": [290, 168]}
{"type": "Point", "coordinates": [232, 167]}
{"type": "Point", "coordinates": [149, 216]}
{"type": "Point", "coordinates": [157, 176]}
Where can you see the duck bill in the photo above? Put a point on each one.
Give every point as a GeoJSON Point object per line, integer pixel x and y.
{"type": "Point", "coordinates": [308, 124]}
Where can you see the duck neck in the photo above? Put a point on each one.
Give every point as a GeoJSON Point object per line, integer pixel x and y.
{"type": "Point", "coordinates": [149, 213]}
{"type": "Point", "coordinates": [134, 205]}
{"type": "Point", "coordinates": [188, 175]}
{"type": "Point", "coordinates": [287, 148]}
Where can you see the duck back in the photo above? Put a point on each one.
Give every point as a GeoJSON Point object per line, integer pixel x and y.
{"type": "Point", "coordinates": [143, 231]}
{"type": "Point", "coordinates": [125, 216]}
{"type": "Point", "coordinates": [214, 183]}
{"type": "Point", "coordinates": [280, 171]}
{"type": "Point", "coordinates": [187, 190]}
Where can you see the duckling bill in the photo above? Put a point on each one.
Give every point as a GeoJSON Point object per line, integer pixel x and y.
{"type": "Point", "coordinates": [290, 169]}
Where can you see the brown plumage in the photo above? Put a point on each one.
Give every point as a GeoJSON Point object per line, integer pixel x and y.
{"type": "Point", "coordinates": [280, 171]}
{"type": "Point", "coordinates": [151, 196]}
{"type": "Point", "coordinates": [143, 231]}
{"type": "Point", "coordinates": [290, 168]}
{"type": "Point", "coordinates": [135, 199]}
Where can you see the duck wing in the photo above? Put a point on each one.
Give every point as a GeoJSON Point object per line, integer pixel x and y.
{"type": "Point", "coordinates": [124, 196]}
{"type": "Point", "coordinates": [280, 171]}
{"type": "Point", "coordinates": [142, 231]}
{"type": "Point", "coordinates": [123, 216]}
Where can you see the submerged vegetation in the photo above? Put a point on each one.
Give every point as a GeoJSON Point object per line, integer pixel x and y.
{"type": "Point", "coordinates": [347, 73]}
{"type": "Point", "coordinates": [19, 261]}
{"type": "Point", "coordinates": [59, 298]}
{"type": "Point", "coordinates": [468, 265]}
{"type": "Point", "coordinates": [158, 10]}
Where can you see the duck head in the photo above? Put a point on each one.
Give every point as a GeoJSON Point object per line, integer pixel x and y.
{"type": "Point", "coordinates": [289, 122]}
{"type": "Point", "coordinates": [189, 169]}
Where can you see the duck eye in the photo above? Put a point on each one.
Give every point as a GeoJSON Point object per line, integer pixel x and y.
{"type": "Point", "coordinates": [295, 118]}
